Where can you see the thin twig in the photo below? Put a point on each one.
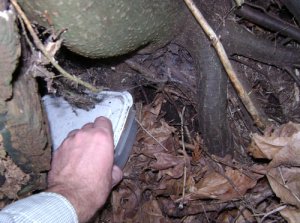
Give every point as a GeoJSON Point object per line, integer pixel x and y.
{"type": "Point", "coordinates": [150, 134]}
{"type": "Point", "coordinates": [259, 121]}
{"type": "Point", "coordinates": [41, 47]}
{"type": "Point", "coordinates": [280, 208]}
{"type": "Point", "coordinates": [204, 211]}
{"type": "Point", "coordinates": [184, 155]}
{"type": "Point", "coordinates": [25, 34]}
{"type": "Point", "coordinates": [188, 146]}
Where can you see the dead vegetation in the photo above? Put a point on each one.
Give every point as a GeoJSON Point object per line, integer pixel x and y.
{"type": "Point", "coordinates": [170, 177]}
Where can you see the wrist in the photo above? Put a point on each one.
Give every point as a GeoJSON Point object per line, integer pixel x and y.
{"type": "Point", "coordinates": [84, 209]}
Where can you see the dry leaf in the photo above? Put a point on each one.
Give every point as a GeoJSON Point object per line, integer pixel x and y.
{"type": "Point", "coordinates": [175, 172]}
{"type": "Point", "coordinates": [266, 147]}
{"type": "Point", "coordinates": [125, 201]}
{"type": "Point", "coordinates": [235, 215]}
{"type": "Point", "coordinates": [165, 161]}
{"type": "Point", "coordinates": [281, 145]}
{"type": "Point", "coordinates": [285, 183]}
{"type": "Point", "coordinates": [158, 132]}
{"type": "Point", "coordinates": [217, 186]}
{"type": "Point", "coordinates": [168, 187]}
{"type": "Point", "coordinates": [289, 154]}
{"type": "Point", "coordinates": [152, 212]}
{"type": "Point", "coordinates": [292, 215]}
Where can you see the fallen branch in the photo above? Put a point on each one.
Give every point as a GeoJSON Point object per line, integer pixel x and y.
{"type": "Point", "coordinates": [181, 114]}
{"type": "Point", "coordinates": [41, 47]}
{"type": "Point", "coordinates": [171, 208]}
{"type": "Point", "coordinates": [260, 121]}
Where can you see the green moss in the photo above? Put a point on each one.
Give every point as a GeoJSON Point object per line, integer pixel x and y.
{"type": "Point", "coordinates": [108, 27]}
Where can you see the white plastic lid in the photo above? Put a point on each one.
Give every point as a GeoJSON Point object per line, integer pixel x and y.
{"type": "Point", "coordinates": [64, 118]}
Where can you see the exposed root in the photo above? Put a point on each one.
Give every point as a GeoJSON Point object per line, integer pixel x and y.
{"type": "Point", "coordinates": [268, 22]}
{"type": "Point", "coordinates": [256, 112]}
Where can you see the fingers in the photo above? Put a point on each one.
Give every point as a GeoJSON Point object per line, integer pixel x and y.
{"type": "Point", "coordinates": [102, 122]}
{"type": "Point", "coordinates": [88, 126]}
{"type": "Point", "coordinates": [117, 175]}
{"type": "Point", "coordinates": [72, 133]}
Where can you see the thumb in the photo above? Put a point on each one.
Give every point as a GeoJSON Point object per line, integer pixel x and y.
{"type": "Point", "coordinates": [117, 175]}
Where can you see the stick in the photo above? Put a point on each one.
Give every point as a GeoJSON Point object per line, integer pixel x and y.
{"type": "Point", "coordinates": [41, 47]}
{"type": "Point", "coordinates": [261, 123]}
{"type": "Point", "coordinates": [184, 155]}
{"type": "Point", "coordinates": [280, 208]}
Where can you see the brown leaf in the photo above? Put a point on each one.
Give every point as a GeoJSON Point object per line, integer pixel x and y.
{"type": "Point", "coordinates": [235, 215]}
{"type": "Point", "coordinates": [217, 186]}
{"type": "Point", "coordinates": [286, 130]}
{"type": "Point", "coordinates": [168, 146]}
{"type": "Point", "coordinates": [165, 161]}
{"type": "Point", "coordinates": [285, 183]}
{"type": "Point", "coordinates": [168, 187]}
{"type": "Point", "coordinates": [152, 212]}
{"type": "Point", "coordinates": [174, 172]}
{"type": "Point", "coordinates": [289, 154]}
{"type": "Point", "coordinates": [292, 215]}
{"type": "Point", "coordinates": [125, 201]}
{"type": "Point", "coordinates": [158, 132]}
{"type": "Point", "coordinates": [266, 147]}
{"type": "Point", "coordinates": [154, 129]}
{"type": "Point", "coordinates": [281, 145]}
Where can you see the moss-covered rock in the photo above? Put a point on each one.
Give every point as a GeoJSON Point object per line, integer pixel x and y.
{"type": "Point", "coordinates": [108, 27]}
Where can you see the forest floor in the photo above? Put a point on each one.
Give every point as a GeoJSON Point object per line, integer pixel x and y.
{"type": "Point", "coordinates": [170, 176]}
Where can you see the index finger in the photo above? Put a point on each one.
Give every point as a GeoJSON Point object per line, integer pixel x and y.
{"type": "Point", "coordinates": [102, 122]}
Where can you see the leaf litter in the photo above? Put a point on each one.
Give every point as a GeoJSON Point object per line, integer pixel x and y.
{"type": "Point", "coordinates": [215, 189]}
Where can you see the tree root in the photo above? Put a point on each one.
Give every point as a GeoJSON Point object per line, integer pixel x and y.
{"type": "Point", "coordinates": [239, 41]}
{"type": "Point", "coordinates": [268, 22]}
{"type": "Point", "coordinates": [256, 112]}
{"type": "Point", "coordinates": [294, 7]}
{"type": "Point", "coordinates": [211, 97]}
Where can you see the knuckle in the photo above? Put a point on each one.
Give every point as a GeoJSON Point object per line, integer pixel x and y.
{"type": "Point", "coordinates": [103, 133]}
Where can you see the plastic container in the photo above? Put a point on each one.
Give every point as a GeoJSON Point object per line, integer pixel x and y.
{"type": "Point", "coordinates": [117, 106]}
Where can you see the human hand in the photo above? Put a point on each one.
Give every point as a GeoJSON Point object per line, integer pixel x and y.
{"type": "Point", "coordinates": [82, 168]}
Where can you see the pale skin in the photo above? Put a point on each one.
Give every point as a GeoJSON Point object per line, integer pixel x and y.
{"type": "Point", "coordinates": [82, 168]}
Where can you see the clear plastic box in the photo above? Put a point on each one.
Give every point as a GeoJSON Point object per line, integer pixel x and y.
{"type": "Point", "coordinates": [117, 106]}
